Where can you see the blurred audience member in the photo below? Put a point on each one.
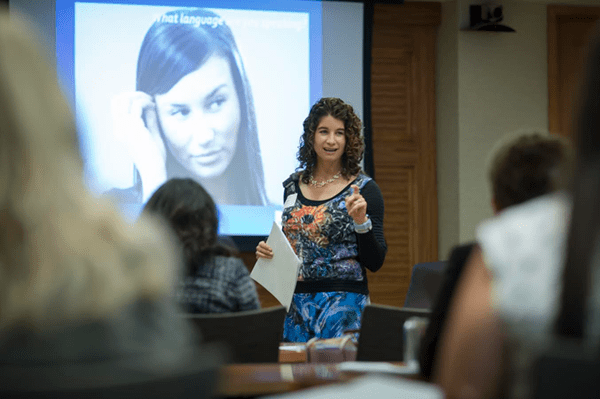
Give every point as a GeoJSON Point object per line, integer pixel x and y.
{"type": "Point", "coordinates": [83, 296]}
{"type": "Point", "coordinates": [521, 168]}
{"type": "Point", "coordinates": [528, 166]}
{"type": "Point", "coordinates": [503, 314]}
{"type": "Point", "coordinates": [216, 281]}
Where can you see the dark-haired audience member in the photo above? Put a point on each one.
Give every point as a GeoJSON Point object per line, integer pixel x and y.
{"type": "Point", "coordinates": [522, 168]}
{"type": "Point", "coordinates": [507, 302]}
{"type": "Point", "coordinates": [215, 281]}
{"type": "Point", "coordinates": [85, 298]}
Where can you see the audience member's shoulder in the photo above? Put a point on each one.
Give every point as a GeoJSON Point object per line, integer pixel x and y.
{"type": "Point", "coordinates": [542, 205]}
{"type": "Point", "coordinates": [461, 250]}
{"type": "Point", "coordinates": [223, 265]}
{"type": "Point", "coordinates": [545, 215]}
{"type": "Point", "coordinates": [234, 262]}
{"type": "Point", "coordinates": [523, 248]}
{"type": "Point", "coordinates": [458, 257]}
{"type": "Point", "coordinates": [525, 235]}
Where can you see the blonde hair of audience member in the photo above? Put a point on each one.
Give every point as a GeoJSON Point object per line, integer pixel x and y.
{"type": "Point", "coordinates": [473, 356]}
{"type": "Point", "coordinates": [63, 254]}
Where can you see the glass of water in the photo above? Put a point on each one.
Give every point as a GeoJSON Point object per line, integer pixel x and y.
{"type": "Point", "coordinates": [413, 332]}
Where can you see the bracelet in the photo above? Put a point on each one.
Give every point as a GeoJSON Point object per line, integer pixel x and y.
{"type": "Point", "coordinates": [363, 228]}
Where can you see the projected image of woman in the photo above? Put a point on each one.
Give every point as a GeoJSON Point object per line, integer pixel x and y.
{"type": "Point", "coordinates": [192, 114]}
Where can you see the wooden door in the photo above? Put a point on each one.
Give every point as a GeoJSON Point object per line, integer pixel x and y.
{"type": "Point", "coordinates": [569, 30]}
{"type": "Point", "coordinates": [403, 134]}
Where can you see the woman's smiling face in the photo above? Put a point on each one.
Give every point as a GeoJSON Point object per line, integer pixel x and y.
{"type": "Point", "coordinates": [200, 118]}
{"type": "Point", "coordinates": [330, 140]}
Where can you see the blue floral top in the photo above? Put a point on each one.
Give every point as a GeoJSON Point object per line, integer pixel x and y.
{"type": "Point", "coordinates": [333, 291]}
{"type": "Point", "coordinates": [322, 233]}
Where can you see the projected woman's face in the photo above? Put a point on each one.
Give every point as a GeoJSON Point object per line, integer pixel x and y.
{"type": "Point", "coordinates": [200, 118]}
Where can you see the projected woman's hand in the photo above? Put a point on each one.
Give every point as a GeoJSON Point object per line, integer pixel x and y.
{"type": "Point", "coordinates": [136, 124]}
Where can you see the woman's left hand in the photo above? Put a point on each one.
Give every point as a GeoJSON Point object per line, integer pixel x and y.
{"type": "Point", "coordinates": [356, 206]}
{"type": "Point", "coordinates": [136, 123]}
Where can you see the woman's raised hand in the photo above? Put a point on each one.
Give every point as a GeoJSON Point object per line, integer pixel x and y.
{"type": "Point", "coordinates": [356, 206]}
{"type": "Point", "coordinates": [136, 124]}
{"type": "Point", "coordinates": [263, 251]}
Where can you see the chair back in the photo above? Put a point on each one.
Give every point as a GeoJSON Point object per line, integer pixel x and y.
{"type": "Point", "coordinates": [569, 369]}
{"type": "Point", "coordinates": [425, 282]}
{"type": "Point", "coordinates": [252, 336]}
{"type": "Point", "coordinates": [381, 332]}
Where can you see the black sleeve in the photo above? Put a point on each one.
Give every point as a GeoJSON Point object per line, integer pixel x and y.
{"type": "Point", "coordinates": [429, 345]}
{"type": "Point", "coordinates": [372, 247]}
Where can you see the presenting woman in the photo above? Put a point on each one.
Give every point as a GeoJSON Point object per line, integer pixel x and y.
{"type": "Point", "coordinates": [333, 218]}
{"type": "Point", "coordinates": [192, 114]}
{"type": "Point", "coordinates": [215, 280]}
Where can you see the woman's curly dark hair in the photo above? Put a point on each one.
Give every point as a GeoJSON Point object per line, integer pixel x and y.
{"type": "Point", "coordinates": [192, 214]}
{"type": "Point", "coordinates": [355, 145]}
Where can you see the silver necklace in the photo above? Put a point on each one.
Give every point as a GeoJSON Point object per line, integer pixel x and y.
{"type": "Point", "coordinates": [320, 184]}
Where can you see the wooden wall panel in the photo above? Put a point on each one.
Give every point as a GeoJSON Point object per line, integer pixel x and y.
{"type": "Point", "coordinates": [391, 109]}
{"type": "Point", "coordinates": [398, 187]}
{"type": "Point", "coordinates": [569, 30]}
{"type": "Point", "coordinates": [403, 134]}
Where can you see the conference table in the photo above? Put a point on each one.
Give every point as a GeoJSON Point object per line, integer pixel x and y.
{"type": "Point", "coordinates": [248, 380]}
{"type": "Point", "coordinates": [292, 373]}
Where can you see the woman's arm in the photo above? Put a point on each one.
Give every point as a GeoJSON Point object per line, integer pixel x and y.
{"type": "Point", "coordinates": [469, 362]}
{"type": "Point", "coordinates": [372, 247]}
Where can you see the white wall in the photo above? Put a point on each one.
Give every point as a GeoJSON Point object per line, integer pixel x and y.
{"type": "Point", "coordinates": [447, 128]}
{"type": "Point", "coordinates": [503, 80]}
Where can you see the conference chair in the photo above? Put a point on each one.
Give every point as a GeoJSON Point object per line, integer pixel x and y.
{"type": "Point", "coordinates": [252, 336]}
{"type": "Point", "coordinates": [381, 332]}
{"type": "Point", "coordinates": [425, 282]}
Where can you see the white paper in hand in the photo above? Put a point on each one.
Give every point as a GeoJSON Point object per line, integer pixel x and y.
{"type": "Point", "coordinates": [278, 275]}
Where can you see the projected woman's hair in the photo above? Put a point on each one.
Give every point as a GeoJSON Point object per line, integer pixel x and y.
{"type": "Point", "coordinates": [192, 114]}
